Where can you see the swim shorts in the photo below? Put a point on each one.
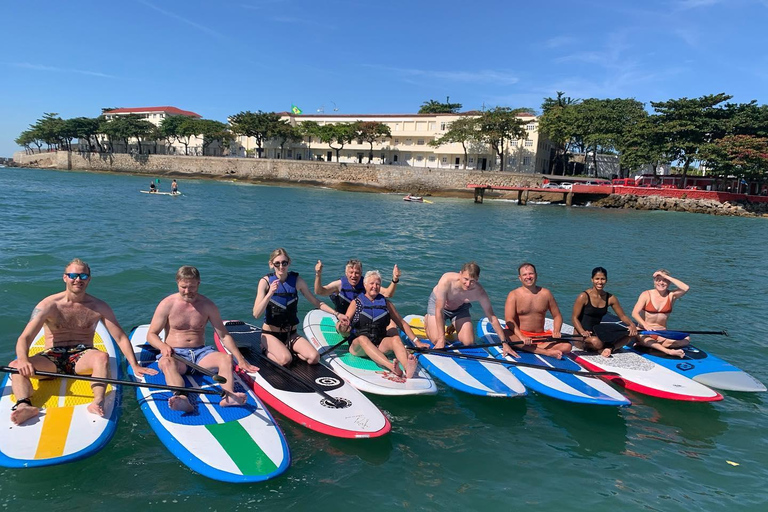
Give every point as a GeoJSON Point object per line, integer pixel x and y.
{"type": "Point", "coordinates": [65, 358]}
{"type": "Point", "coordinates": [448, 314]}
{"type": "Point", "coordinates": [193, 355]}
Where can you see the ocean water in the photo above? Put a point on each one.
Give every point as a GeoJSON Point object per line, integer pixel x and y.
{"type": "Point", "coordinates": [446, 452]}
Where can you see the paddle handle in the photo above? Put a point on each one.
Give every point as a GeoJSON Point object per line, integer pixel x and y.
{"type": "Point", "coordinates": [117, 382]}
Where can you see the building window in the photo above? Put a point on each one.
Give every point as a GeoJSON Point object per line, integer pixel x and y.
{"type": "Point", "coordinates": [419, 158]}
{"type": "Point", "coordinates": [512, 161]}
{"type": "Point", "coordinates": [397, 127]}
{"type": "Point", "coordinates": [444, 160]}
{"type": "Point", "coordinates": [528, 143]}
{"type": "Point", "coordinates": [397, 141]}
{"type": "Point", "coordinates": [421, 126]}
{"type": "Point", "coordinates": [530, 127]}
{"type": "Point", "coordinates": [420, 142]}
{"type": "Point", "coordinates": [526, 160]}
{"type": "Point", "coordinates": [431, 126]}
{"type": "Point", "coordinates": [471, 159]}
{"type": "Point", "coordinates": [444, 126]}
{"type": "Point", "coordinates": [408, 142]}
{"type": "Point", "coordinates": [432, 158]}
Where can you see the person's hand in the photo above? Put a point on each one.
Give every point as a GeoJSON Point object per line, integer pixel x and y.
{"type": "Point", "coordinates": [26, 369]}
{"type": "Point", "coordinates": [318, 267]}
{"type": "Point", "coordinates": [141, 371]}
{"type": "Point", "coordinates": [440, 342]}
{"type": "Point", "coordinates": [632, 330]}
{"type": "Point", "coordinates": [507, 351]}
{"type": "Point", "coordinates": [526, 340]}
{"type": "Point", "coordinates": [395, 273]}
{"type": "Point", "coordinates": [659, 273]}
{"type": "Point", "coordinates": [166, 350]}
{"type": "Point", "coordinates": [342, 318]}
{"type": "Point", "coordinates": [248, 367]}
{"type": "Point", "coordinates": [273, 287]}
{"type": "Point", "coordinates": [556, 334]}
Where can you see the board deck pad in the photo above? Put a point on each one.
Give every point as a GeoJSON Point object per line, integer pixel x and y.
{"type": "Point", "coordinates": [239, 443]}
{"type": "Point", "coordinates": [363, 373]}
{"type": "Point", "coordinates": [64, 431]}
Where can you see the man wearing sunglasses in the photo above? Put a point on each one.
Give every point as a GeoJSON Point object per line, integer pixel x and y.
{"type": "Point", "coordinates": [69, 318]}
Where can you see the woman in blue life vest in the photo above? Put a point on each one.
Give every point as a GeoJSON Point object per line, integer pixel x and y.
{"type": "Point", "coordinates": [344, 290]}
{"type": "Point", "coordinates": [277, 299]}
{"type": "Point", "coordinates": [369, 315]}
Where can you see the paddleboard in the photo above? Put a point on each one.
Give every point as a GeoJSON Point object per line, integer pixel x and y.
{"type": "Point", "coordinates": [642, 375]}
{"type": "Point", "coordinates": [64, 431]}
{"type": "Point", "coordinates": [361, 372]}
{"type": "Point", "coordinates": [563, 386]}
{"type": "Point", "coordinates": [700, 366]}
{"type": "Point", "coordinates": [473, 377]}
{"type": "Point", "coordinates": [230, 444]}
{"type": "Point", "coordinates": [353, 416]}
{"type": "Point", "coordinates": [160, 193]}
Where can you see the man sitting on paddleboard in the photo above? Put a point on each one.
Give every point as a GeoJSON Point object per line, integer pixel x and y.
{"type": "Point", "coordinates": [185, 315]}
{"type": "Point", "coordinates": [450, 300]}
{"type": "Point", "coordinates": [652, 313]}
{"type": "Point", "coordinates": [525, 311]}
{"type": "Point", "coordinates": [70, 319]}
{"type": "Point", "coordinates": [277, 299]}
{"type": "Point", "coordinates": [370, 315]}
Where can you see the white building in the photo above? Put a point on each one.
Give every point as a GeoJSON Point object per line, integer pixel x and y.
{"type": "Point", "coordinates": [156, 115]}
{"type": "Point", "coordinates": [409, 144]}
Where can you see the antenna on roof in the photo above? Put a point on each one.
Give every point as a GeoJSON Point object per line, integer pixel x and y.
{"type": "Point", "coordinates": [335, 108]}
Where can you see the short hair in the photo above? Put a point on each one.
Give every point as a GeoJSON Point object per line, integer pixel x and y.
{"type": "Point", "coordinates": [471, 268]}
{"type": "Point", "coordinates": [526, 264]}
{"type": "Point", "coordinates": [599, 270]}
{"type": "Point", "coordinates": [277, 252]}
{"type": "Point", "coordinates": [663, 271]}
{"type": "Point", "coordinates": [78, 261]}
{"type": "Point", "coordinates": [355, 263]}
{"type": "Point", "coordinates": [371, 274]}
{"type": "Point", "coordinates": [187, 272]}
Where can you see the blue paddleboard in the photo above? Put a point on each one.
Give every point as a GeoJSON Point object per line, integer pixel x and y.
{"type": "Point", "coordinates": [563, 386]}
{"type": "Point", "coordinates": [473, 377]}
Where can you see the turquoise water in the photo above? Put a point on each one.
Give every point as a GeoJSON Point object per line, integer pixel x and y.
{"type": "Point", "coordinates": [447, 452]}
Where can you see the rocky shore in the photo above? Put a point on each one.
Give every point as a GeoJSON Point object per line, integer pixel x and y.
{"type": "Point", "coordinates": [683, 205]}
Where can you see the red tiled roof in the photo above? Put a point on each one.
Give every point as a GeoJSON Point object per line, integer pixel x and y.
{"type": "Point", "coordinates": [168, 110]}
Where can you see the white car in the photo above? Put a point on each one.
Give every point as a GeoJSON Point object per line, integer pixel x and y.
{"type": "Point", "coordinates": [566, 186]}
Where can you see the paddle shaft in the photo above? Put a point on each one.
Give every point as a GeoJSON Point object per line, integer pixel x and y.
{"type": "Point", "coordinates": [205, 371]}
{"type": "Point", "coordinates": [513, 363]}
{"type": "Point", "coordinates": [308, 383]}
{"type": "Point", "coordinates": [333, 347]}
{"type": "Point", "coordinates": [118, 382]}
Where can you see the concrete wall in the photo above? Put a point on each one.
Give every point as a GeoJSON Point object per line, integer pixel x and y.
{"type": "Point", "coordinates": [383, 177]}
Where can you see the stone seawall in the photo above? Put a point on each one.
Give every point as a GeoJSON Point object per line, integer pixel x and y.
{"type": "Point", "coordinates": [707, 206]}
{"type": "Point", "coordinates": [386, 178]}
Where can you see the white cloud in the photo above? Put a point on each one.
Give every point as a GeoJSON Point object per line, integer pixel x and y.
{"type": "Point", "coordinates": [483, 76]}
{"type": "Point", "coordinates": [40, 67]}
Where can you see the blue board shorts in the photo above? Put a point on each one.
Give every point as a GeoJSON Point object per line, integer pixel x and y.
{"type": "Point", "coordinates": [448, 314]}
{"type": "Point", "coordinates": [193, 355]}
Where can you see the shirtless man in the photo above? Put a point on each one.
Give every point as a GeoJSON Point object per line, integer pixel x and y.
{"type": "Point", "coordinates": [450, 300]}
{"type": "Point", "coordinates": [653, 309]}
{"type": "Point", "coordinates": [69, 319]}
{"type": "Point", "coordinates": [525, 311]}
{"type": "Point", "coordinates": [185, 315]}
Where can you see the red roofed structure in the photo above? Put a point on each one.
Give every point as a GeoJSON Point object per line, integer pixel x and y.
{"type": "Point", "coordinates": [146, 110]}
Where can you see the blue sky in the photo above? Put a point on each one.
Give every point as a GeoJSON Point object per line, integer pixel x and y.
{"type": "Point", "coordinates": [218, 58]}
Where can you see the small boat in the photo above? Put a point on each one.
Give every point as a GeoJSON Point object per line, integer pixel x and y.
{"type": "Point", "coordinates": [413, 199]}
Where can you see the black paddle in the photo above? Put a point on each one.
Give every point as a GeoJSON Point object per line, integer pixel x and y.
{"type": "Point", "coordinates": [333, 347]}
{"type": "Point", "coordinates": [311, 385]}
{"type": "Point", "coordinates": [205, 371]}
{"type": "Point", "coordinates": [611, 333]}
{"type": "Point", "coordinates": [118, 382]}
{"type": "Point", "coordinates": [512, 363]}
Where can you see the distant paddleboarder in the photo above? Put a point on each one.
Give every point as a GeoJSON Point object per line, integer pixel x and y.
{"type": "Point", "coordinates": [174, 187]}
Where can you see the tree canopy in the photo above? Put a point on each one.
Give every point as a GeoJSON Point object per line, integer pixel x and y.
{"type": "Point", "coordinates": [435, 107]}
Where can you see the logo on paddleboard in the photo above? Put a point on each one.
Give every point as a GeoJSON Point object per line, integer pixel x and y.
{"type": "Point", "coordinates": [341, 403]}
{"type": "Point", "coordinates": [684, 366]}
{"type": "Point", "coordinates": [327, 382]}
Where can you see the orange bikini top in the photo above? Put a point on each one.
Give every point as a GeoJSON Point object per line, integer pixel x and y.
{"type": "Point", "coordinates": [666, 308]}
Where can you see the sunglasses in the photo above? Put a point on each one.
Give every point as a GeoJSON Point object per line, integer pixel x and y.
{"type": "Point", "coordinates": [74, 275]}
{"type": "Point", "coordinates": [283, 263]}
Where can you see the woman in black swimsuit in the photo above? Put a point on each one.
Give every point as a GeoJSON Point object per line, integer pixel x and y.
{"type": "Point", "coordinates": [590, 308]}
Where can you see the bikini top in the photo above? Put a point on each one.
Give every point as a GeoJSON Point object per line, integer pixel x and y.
{"type": "Point", "coordinates": [665, 309]}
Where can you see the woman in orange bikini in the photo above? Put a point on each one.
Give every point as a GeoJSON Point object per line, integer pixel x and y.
{"type": "Point", "coordinates": [653, 309]}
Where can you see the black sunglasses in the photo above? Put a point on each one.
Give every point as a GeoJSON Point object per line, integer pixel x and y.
{"type": "Point", "coordinates": [283, 263]}
{"type": "Point", "coordinates": [74, 275]}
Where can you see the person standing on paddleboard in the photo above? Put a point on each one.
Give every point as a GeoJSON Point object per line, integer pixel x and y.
{"type": "Point", "coordinates": [588, 312]}
{"type": "Point", "coordinates": [450, 300]}
{"type": "Point", "coordinates": [652, 313]}
{"type": "Point", "coordinates": [370, 315]}
{"type": "Point", "coordinates": [525, 311]}
{"type": "Point", "coordinates": [69, 319]}
{"type": "Point", "coordinates": [277, 298]}
{"type": "Point", "coordinates": [185, 315]}
{"type": "Point", "coordinates": [174, 187]}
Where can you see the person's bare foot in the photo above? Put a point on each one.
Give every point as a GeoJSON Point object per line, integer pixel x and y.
{"type": "Point", "coordinates": [96, 408]}
{"type": "Point", "coordinates": [557, 354]}
{"type": "Point", "coordinates": [677, 352]}
{"type": "Point", "coordinates": [606, 352]}
{"type": "Point", "coordinates": [233, 399]}
{"type": "Point", "coordinates": [411, 366]}
{"type": "Point", "coordinates": [180, 403]}
{"type": "Point", "coordinates": [396, 368]}
{"type": "Point", "coordinates": [23, 413]}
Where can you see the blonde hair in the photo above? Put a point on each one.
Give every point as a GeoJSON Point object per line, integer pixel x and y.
{"type": "Point", "coordinates": [78, 261]}
{"type": "Point", "coordinates": [187, 272]}
{"type": "Point", "coordinates": [277, 252]}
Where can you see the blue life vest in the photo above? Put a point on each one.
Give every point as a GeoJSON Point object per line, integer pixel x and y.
{"type": "Point", "coordinates": [282, 309]}
{"type": "Point", "coordinates": [372, 317]}
{"type": "Point", "coordinates": [347, 294]}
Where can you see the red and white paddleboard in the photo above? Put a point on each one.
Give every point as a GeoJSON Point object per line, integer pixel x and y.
{"type": "Point", "coordinates": [639, 374]}
{"type": "Point", "coordinates": [297, 392]}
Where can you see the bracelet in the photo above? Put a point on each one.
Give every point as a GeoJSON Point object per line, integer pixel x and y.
{"type": "Point", "coordinates": [415, 340]}
{"type": "Point", "coordinates": [396, 280]}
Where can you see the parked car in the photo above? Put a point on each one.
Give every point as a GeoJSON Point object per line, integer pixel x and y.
{"type": "Point", "coordinates": [566, 186]}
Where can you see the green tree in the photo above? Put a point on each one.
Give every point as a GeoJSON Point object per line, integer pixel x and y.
{"type": "Point", "coordinates": [26, 138]}
{"type": "Point", "coordinates": [435, 107]}
{"type": "Point", "coordinates": [687, 125]}
{"type": "Point", "coordinates": [286, 132]}
{"type": "Point", "coordinates": [498, 126]}
{"type": "Point", "coordinates": [187, 128]}
{"type": "Point", "coordinates": [309, 129]}
{"type": "Point", "coordinates": [462, 131]}
{"type": "Point", "coordinates": [86, 129]}
{"type": "Point", "coordinates": [261, 126]}
{"type": "Point", "coordinates": [49, 129]}
{"type": "Point", "coordinates": [556, 123]}
{"type": "Point", "coordinates": [739, 155]}
{"type": "Point", "coordinates": [339, 134]}
{"type": "Point", "coordinates": [644, 145]}
{"type": "Point", "coordinates": [170, 131]}
{"type": "Point", "coordinates": [214, 131]}
{"type": "Point", "coordinates": [370, 132]}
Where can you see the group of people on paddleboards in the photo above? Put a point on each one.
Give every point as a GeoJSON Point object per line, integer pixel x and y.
{"type": "Point", "coordinates": [154, 184]}
{"type": "Point", "coordinates": [364, 314]}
